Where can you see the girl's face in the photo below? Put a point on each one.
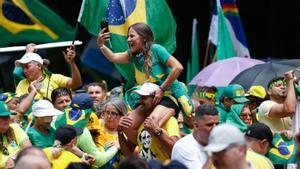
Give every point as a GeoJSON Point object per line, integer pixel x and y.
{"type": "Point", "coordinates": [135, 41]}
{"type": "Point", "coordinates": [246, 115]}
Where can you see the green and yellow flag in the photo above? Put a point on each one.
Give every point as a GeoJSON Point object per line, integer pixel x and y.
{"type": "Point", "coordinates": [31, 21]}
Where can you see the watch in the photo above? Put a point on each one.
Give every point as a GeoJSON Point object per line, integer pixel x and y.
{"type": "Point", "coordinates": [158, 132]}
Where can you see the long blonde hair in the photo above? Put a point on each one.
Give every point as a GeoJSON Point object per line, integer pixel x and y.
{"type": "Point", "coordinates": [146, 34]}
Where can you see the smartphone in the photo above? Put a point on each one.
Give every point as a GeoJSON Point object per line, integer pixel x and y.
{"type": "Point", "coordinates": [104, 24]}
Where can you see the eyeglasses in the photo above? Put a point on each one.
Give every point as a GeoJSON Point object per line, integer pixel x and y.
{"type": "Point", "coordinates": [4, 150]}
{"type": "Point", "coordinates": [111, 113]}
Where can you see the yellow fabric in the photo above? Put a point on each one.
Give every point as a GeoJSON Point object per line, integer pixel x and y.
{"type": "Point", "coordinates": [63, 160]}
{"type": "Point", "coordinates": [57, 80]}
{"type": "Point", "coordinates": [14, 147]}
{"type": "Point", "coordinates": [258, 161]}
{"type": "Point", "coordinates": [93, 123]}
{"type": "Point", "coordinates": [141, 77]}
{"type": "Point", "coordinates": [275, 124]}
{"type": "Point", "coordinates": [103, 137]}
{"type": "Point", "coordinates": [171, 128]}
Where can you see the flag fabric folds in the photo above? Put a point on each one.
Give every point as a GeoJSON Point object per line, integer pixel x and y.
{"type": "Point", "coordinates": [120, 14]}
{"type": "Point", "coordinates": [193, 66]}
{"type": "Point", "coordinates": [31, 21]}
{"type": "Point", "coordinates": [226, 31]}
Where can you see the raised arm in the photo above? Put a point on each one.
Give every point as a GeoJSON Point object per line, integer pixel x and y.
{"type": "Point", "coordinates": [122, 57]}
{"type": "Point", "coordinates": [75, 81]}
{"type": "Point", "coordinates": [288, 108]}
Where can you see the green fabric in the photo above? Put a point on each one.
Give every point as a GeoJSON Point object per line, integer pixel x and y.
{"type": "Point", "coordinates": [194, 65]}
{"type": "Point", "coordinates": [225, 48]}
{"type": "Point", "coordinates": [160, 72]}
{"type": "Point", "coordinates": [223, 111]}
{"type": "Point", "coordinates": [233, 117]}
{"type": "Point", "coordinates": [39, 139]}
{"type": "Point", "coordinates": [86, 144]}
{"type": "Point", "coordinates": [185, 129]}
{"type": "Point", "coordinates": [37, 23]}
{"type": "Point", "coordinates": [283, 150]}
{"type": "Point", "coordinates": [18, 75]}
{"type": "Point", "coordinates": [4, 110]}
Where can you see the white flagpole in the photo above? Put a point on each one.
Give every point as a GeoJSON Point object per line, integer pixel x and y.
{"type": "Point", "coordinates": [40, 46]}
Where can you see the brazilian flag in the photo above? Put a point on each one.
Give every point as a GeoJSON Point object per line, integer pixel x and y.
{"type": "Point", "coordinates": [283, 150]}
{"type": "Point", "coordinates": [31, 21]}
{"type": "Point", "coordinates": [121, 14]}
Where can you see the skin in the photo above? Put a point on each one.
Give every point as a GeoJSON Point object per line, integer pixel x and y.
{"type": "Point", "coordinates": [246, 115]}
{"type": "Point", "coordinates": [230, 158]}
{"type": "Point", "coordinates": [4, 124]}
{"type": "Point", "coordinates": [97, 93]}
{"type": "Point", "coordinates": [203, 126]}
{"type": "Point", "coordinates": [43, 123]}
{"type": "Point", "coordinates": [111, 122]}
{"type": "Point", "coordinates": [62, 102]}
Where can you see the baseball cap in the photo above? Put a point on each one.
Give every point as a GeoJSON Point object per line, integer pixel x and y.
{"type": "Point", "coordinates": [44, 108]}
{"type": "Point", "coordinates": [259, 131]}
{"type": "Point", "coordinates": [82, 100]}
{"type": "Point", "coordinates": [257, 91]}
{"type": "Point", "coordinates": [4, 111]}
{"type": "Point", "coordinates": [28, 57]}
{"type": "Point", "coordinates": [222, 136]}
{"type": "Point", "coordinates": [93, 123]}
{"type": "Point", "coordinates": [147, 89]}
{"type": "Point", "coordinates": [65, 133]}
{"type": "Point", "coordinates": [235, 92]}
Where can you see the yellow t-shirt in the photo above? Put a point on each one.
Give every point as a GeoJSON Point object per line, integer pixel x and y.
{"type": "Point", "coordinates": [275, 124]}
{"type": "Point", "coordinates": [63, 160]}
{"type": "Point", "coordinates": [13, 146]}
{"type": "Point", "coordinates": [149, 148]}
{"type": "Point", "coordinates": [259, 161]}
{"type": "Point", "coordinates": [56, 80]}
{"type": "Point", "coordinates": [103, 137]}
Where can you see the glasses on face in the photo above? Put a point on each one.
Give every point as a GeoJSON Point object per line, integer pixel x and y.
{"type": "Point", "coordinates": [4, 150]}
{"type": "Point", "coordinates": [111, 113]}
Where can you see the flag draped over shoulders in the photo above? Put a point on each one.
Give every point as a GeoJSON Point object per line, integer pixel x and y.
{"type": "Point", "coordinates": [31, 21]}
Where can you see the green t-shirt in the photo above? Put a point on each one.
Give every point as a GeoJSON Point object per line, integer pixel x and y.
{"type": "Point", "coordinates": [160, 72]}
{"type": "Point", "coordinates": [39, 139]}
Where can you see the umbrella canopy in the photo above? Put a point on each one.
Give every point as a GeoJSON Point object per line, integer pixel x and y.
{"type": "Point", "coordinates": [222, 72]}
{"type": "Point", "coordinates": [263, 73]}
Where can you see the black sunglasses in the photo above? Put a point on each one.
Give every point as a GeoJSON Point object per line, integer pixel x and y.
{"type": "Point", "coordinates": [4, 150]}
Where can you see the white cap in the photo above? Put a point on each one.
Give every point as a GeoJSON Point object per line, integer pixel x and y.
{"type": "Point", "coordinates": [223, 136]}
{"type": "Point", "coordinates": [44, 108]}
{"type": "Point", "coordinates": [28, 57]}
{"type": "Point", "coordinates": [147, 89]}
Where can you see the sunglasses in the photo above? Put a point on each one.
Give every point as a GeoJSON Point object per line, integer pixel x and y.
{"type": "Point", "coordinates": [112, 113]}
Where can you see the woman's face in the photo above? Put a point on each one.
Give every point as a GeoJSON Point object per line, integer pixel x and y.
{"type": "Point", "coordinates": [62, 102]}
{"type": "Point", "coordinates": [246, 115]}
{"type": "Point", "coordinates": [135, 41]}
{"type": "Point", "coordinates": [111, 117]}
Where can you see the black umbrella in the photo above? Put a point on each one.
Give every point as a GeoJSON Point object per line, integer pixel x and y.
{"type": "Point", "coordinates": [261, 74]}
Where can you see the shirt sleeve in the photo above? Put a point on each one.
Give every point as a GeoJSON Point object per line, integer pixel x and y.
{"type": "Point", "coordinates": [161, 52]}
{"type": "Point", "coordinates": [265, 107]}
{"type": "Point", "coordinates": [60, 79]}
{"type": "Point", "coordinates": [22, 88]}
{"type": "Point", "coordinates": [21, 136]}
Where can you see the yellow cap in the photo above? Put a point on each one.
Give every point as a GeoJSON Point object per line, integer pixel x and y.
{"type": "Point", "coordinates": [93, 123]}
{"type": "Point", "coordinates": [257, 91]}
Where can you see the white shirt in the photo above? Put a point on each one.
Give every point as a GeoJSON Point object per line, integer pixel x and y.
{"type": "Point", "coordinates": [189, 152]}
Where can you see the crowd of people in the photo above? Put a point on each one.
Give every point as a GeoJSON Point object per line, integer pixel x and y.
{"type": "Point", "coordinates": [54, 121]}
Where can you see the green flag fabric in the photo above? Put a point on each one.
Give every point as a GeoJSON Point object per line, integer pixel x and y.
{"type": "Point", "coordinates": [225, 48]}
{"type": "Point", "coordinates": [31, 21]}
{"type": "Point", "coordinates": [122, 14]}
{"type": "Point", "coordinates": [194, 65]}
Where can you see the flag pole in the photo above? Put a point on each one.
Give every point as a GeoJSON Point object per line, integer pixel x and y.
{"type": "Point", "coordinates": [40, 46]}
{"type": "Point", "coordinates": [78, 20]}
